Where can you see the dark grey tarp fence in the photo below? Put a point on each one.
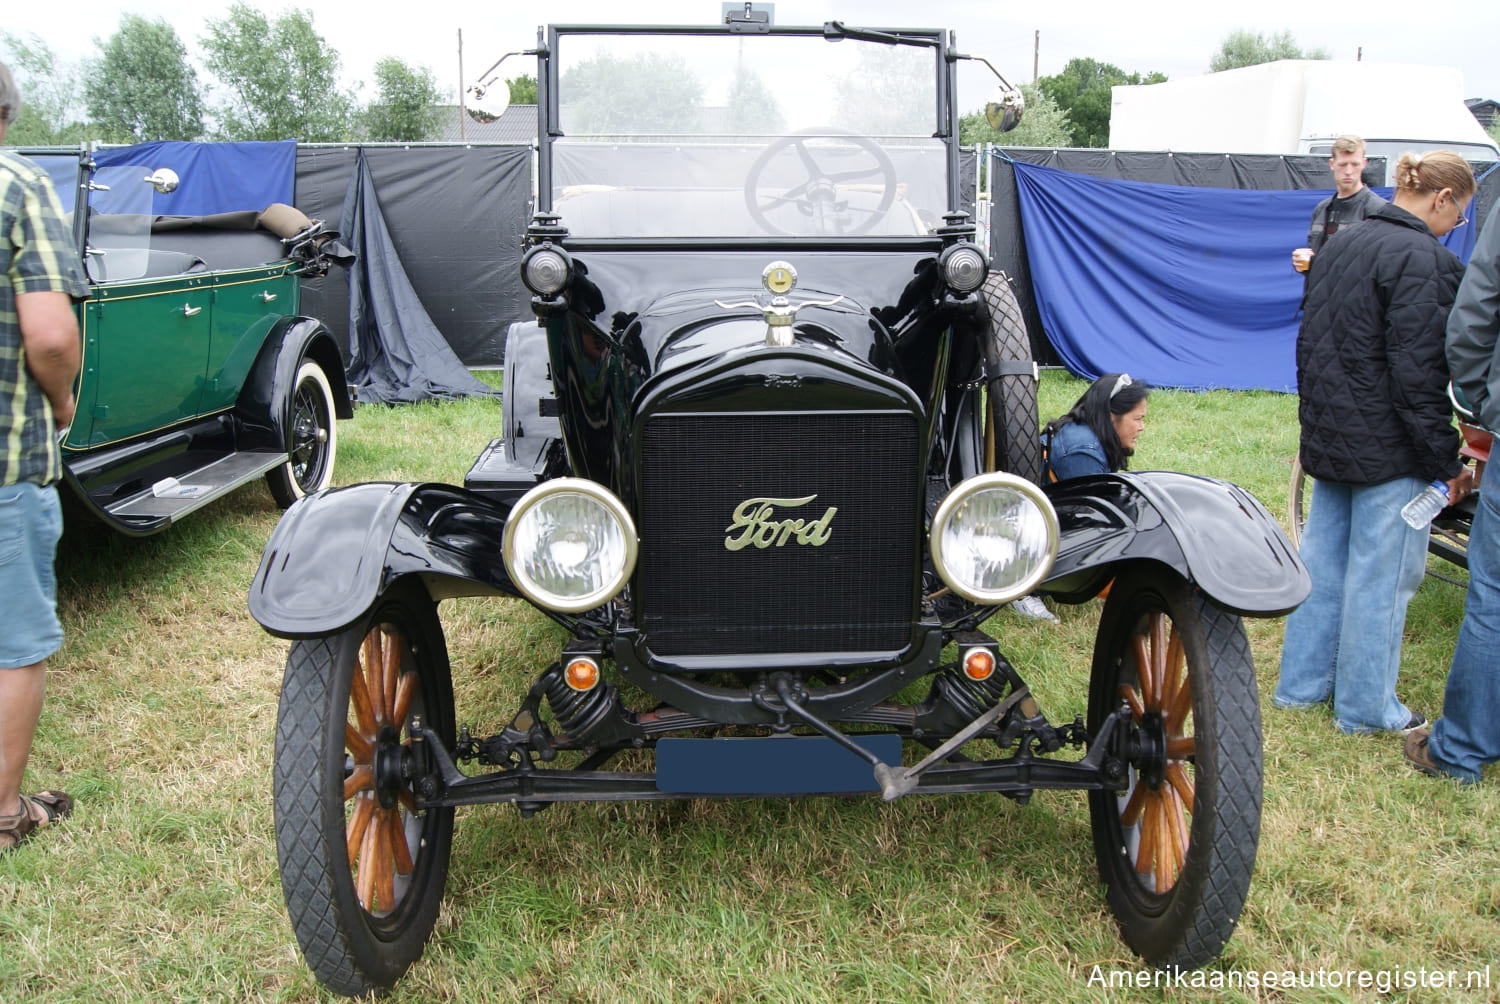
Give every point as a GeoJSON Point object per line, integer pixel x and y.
{"type": "Point", "coordinates": [396, 354]}
{"type": "Point", "coordinates": [456, 215]}
{"type": "Point", "coordinates": [1200, 170]}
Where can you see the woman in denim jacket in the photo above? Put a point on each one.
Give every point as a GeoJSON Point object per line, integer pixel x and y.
{"type": "Point", "coordinates": [1098, 434]}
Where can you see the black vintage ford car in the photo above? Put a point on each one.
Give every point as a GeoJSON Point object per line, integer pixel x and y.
{"type": "Point", "coordinates": [770, 458]}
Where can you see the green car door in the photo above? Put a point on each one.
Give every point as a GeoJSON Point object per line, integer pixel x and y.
{"type": "Point", "coordinates": [247, 303]}
{"type": "Point", "coordinates": [145, 357]}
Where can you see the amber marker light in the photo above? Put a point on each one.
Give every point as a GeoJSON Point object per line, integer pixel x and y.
{"type": "Point", "coordinates": [582, 674]}
{"type": "Point", "coordinates": [979, 664]}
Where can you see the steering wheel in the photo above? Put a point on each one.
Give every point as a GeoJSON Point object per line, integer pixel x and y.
{"type": "Point", "coordinates": [824, 196]}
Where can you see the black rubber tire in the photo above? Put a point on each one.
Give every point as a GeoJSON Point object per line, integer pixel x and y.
{"type": "Point", "coordinates": [1187, 923]}
{"type": "Point", "coordinates": [1011, 418]}
{"type": "Point", "coordinates": [349, 949]}
{"type": "Point", "coordinates": [312, 439]}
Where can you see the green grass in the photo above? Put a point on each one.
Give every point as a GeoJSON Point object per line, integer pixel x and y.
{"type": "Point", "coordinates": [161, 711]}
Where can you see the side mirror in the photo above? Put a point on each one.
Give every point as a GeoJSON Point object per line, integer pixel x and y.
{"type": "Point", "coordinates": [489, 94]}
{"type": "Point", "coordinates": [1006, 105]}
{"type": "Point", "coordinates": [490, 97]}
{"type": "Point", "coordinates": [163, 179]}
{"type": "Point", "coordinates": [1004, 109]}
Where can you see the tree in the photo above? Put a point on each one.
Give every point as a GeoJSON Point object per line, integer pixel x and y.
{"type": "Point", "coordinates": [522, 90]}
{"type": "Point", "coordinates": [1241, 48]}
{"type": "Point", "coordinates": [51, 107]}
{"type": "Point", "coordinates": [1082, 92]}
{"type": "Point", "coordinates": [281, 77]}
{"type": "Point", "coordinates": [889, 93]}
{"type": "Point", "coordinates": [142, 87]}
{"type": "Point", "coordinates": [1043, 124]}
{"type": "Point", "coordinates": [753, 109]}
{"type": "Point", "coordinates": [405, 109]}
{"type": "Point", "coordinates": [646, 93]}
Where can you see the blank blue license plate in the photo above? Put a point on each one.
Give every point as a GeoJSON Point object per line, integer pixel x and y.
{"type": "Point", "coordinates": [778, 765]}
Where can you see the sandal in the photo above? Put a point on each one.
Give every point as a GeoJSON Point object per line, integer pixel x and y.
{"type": "Point", "coordinates": [38, 812]}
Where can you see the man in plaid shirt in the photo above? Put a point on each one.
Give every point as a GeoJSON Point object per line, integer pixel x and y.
{"type": "Point", "coordinates": [39, 353]}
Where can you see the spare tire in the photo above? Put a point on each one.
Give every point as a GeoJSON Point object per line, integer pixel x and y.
{"type": "Point", "coordinates": [1012, 432]}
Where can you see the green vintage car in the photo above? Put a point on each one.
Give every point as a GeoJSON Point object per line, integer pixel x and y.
{"type": "Point", "coordinates": [199, 374]}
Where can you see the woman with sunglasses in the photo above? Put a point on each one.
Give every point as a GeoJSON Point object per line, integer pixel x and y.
{"type": "Point", "coordinates": [1096, 436]}
{"type": "Point", "coordinates": [1376, 428]}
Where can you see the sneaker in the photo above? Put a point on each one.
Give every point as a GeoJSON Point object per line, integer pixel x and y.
{"type": "Point", "coordinates": [1032, 608]}
{"type": "Point", "coordinates": [1413, 723]}
{"type": "Point", "coordinates": [1419, 756]}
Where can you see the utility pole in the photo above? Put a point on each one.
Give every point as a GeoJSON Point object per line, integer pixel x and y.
{"type": "Point", "coordinates": [1036, 53]}
{"type": "Point", "coordinates": [463, 116]}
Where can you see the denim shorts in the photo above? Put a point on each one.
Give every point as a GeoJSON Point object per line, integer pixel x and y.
{"type": "Point", "coordinates": [30, 527]}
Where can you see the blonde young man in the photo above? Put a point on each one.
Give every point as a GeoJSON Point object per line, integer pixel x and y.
{"type": "Point", "coordinates": [1351, 202]}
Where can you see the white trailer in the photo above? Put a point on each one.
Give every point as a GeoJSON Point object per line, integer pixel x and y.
{"type": "Point", "coordinates": [1300, 106]}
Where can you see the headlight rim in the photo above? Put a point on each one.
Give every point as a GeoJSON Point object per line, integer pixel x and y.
{"type": "Point", "coordinates": [544, 598]}
{"type": "Point", "coordinates": [964, 490]}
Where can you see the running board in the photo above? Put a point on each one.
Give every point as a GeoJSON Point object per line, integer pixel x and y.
{"type": "Point", "coordinates": [171, 499]}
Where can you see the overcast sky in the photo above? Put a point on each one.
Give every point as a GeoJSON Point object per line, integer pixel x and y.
{"type": "Point", "coordinates": [1176, 37]}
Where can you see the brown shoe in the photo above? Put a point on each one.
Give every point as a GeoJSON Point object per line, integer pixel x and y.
{"type": "Point", "coordinates": [1419, 756]}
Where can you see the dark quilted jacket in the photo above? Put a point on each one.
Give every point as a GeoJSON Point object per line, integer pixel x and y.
{"type": "Point", "coordinates": [1371, 377]}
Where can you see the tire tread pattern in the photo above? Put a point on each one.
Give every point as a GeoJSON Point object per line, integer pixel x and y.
{"type": "Point", "coordinates": [307, 873]}
{"type": "Point", "coordinates": [1021, 446]}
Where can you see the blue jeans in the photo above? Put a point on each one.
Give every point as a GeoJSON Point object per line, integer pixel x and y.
{"type": "Point", "coordinates": [1344, 641]}
{"type": "Point", "coordinates": [1468, 734]}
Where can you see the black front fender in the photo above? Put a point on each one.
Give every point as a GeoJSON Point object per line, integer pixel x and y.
{"type": "Point", "coordinates": [1214, 533]}
{"type": "Point", "coordinates": [335, 552]}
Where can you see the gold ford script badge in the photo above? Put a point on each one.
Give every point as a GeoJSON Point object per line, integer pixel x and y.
{"type": "Point", "coordinates": [756, 521]}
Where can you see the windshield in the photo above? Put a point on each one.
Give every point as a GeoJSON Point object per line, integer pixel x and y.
{"type": "Point", "coordinates": [746, 136]}
{"type": "Point", "coordinates": [119, 234]}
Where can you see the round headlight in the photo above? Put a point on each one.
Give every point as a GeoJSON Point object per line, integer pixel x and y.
{"type": "Point", "coordinates": [545, 270]}
{"type": "Point", "coordinates": [994, 538]}
{"type": "Point", "coordinates": [569, 545]}
{"type": "Point", "coordinates": [964, 268]}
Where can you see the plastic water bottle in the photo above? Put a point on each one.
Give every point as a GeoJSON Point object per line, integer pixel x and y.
{"type": "Point", "coordinates": [1420, 510]}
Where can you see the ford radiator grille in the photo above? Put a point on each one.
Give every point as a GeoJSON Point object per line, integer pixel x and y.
{"type": "Point", "coordinates": [768, 533]}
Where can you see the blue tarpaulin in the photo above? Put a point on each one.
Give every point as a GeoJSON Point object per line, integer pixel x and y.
{"type": "Point", "coordinates": [213, 177]}
{"type": "Point", "coordinates": [1183, 287]}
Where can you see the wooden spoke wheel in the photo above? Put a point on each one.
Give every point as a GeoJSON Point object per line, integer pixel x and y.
{"type": "Point", "coordinates": [362, 866]}
{"type": "Point", "coordinates": [379, 806]}
{"type": "Point", "coordinates": [1177, 847]}
{"type": "Point", "coordinates": [1298, 497]}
